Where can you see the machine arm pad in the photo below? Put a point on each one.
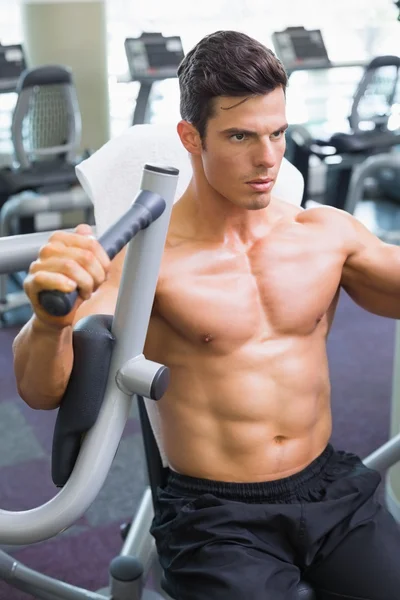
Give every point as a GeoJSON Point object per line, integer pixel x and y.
{"type": "Point", "coordinates": [93, 344]}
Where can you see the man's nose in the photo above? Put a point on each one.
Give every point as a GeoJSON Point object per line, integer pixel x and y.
{"type": "Point", "coordinates": [266, 156]}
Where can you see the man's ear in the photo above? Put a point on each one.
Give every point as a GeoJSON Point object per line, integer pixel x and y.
{"type": "Point", "coordinates": [190, 137]}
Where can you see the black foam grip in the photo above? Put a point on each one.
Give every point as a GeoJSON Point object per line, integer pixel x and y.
{"type": "Point", "coordinates": [147, 208]}
{"type": "Point", "coordinates": [58, 303]}
{"type": "Point", "coordinates": [93, 344]}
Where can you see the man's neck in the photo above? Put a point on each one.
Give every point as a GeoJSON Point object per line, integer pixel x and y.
{"type": "Point", "coordinates": [213, 217]}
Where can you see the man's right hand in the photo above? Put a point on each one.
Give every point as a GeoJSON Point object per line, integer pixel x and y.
{"type": "Point", "coordinates": [68, 261]}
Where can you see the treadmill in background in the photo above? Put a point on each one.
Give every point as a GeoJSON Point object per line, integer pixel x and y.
{"type": "Point", "coordinates": [300, 49]}
{"type": "Point", "coordinates": [12, 63]}
{"type": "Point", "coordinates": [151, 58]}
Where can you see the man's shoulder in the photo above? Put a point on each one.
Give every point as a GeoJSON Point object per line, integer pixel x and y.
{"type": "Point", "coordinates": [326, 216]}
{"type": "Point", "coordinates": [335, 228]}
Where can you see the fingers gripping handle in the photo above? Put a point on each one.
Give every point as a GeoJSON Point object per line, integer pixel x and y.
{"type": "Point", "coordinates": [147, 207]}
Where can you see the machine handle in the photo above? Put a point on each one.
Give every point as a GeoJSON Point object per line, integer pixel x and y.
{"type": "Point", "coordinates": [147, 208]}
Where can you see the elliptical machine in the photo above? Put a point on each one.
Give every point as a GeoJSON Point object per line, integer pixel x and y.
{"type": "Point", "coordinates": [371, 132]}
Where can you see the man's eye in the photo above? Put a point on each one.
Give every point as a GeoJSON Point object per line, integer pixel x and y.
{"type": "Point", "coordinates": [239, 137]}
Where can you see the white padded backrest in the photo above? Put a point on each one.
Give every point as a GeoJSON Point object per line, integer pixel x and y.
{"type": "Point", "coordinates": [112, 175]}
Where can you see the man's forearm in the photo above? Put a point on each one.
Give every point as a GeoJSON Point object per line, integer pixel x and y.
{"type": "Point", "coordinates": [43, 358]}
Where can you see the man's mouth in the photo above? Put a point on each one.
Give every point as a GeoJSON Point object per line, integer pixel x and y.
{"type": "Point", "coordinates": [261, 184]}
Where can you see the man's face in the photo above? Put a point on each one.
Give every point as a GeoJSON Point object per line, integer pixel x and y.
{"type": "Point", "coordinates": [244, 147]}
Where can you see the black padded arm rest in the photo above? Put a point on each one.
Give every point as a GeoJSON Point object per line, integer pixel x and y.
{"type": "Point", "coordinates": [93, 344]}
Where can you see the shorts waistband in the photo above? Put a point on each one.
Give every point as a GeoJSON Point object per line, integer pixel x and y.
{"type": "Point", "coordinates": [186, 485]}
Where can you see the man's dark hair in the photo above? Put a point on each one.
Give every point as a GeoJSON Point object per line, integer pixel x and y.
{"type": "Point", "coordinates": [225, 63]}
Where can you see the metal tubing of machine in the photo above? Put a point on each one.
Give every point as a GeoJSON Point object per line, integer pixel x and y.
{"type": "Point", "coordinates": [18, 251]}
{"type": "Point", "coordinates": [366, 169]}
{"type": "Point", "coordinates": [131, 319]}
{"type": "Point", "coordinates": [386, 456]}
{"type": "Point", "coordinates": [45, 587]}
{"type": "Point", "coordinates": [57, 201]}
{"type": "Point", "coordinates": [140, 275]}
{"type": "Point", "coordinates": [139, 542]}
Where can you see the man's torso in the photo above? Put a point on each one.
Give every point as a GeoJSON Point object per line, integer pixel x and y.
{"type": "Point", "coordinates": [243, 331]}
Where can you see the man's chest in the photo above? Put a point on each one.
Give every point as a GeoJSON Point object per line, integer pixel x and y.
{"type": "Point", "coordinates": [280, 287]}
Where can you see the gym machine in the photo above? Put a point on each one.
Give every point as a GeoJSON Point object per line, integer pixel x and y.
{"type": "Point", "coordinates": [151, 58]}
{"type": "Point", "coordinates": [86, 437]}
{"type": "Point", "coordinates": [12, 64]}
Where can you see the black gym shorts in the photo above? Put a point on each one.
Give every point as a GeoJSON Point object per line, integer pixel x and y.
{"type": "Point", "coordinates": [256, 541]}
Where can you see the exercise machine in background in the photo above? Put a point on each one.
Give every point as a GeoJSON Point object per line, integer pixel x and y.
{"type": "Point", "coordinates": [373, 125]}
{"type": "Point", "coordinates": [397, 3]}
{"type": "Point", "coordinates": [302, 49]}
{"type": "Point", "coordinates": [151, 58]}
{"type": "Point", "coordinates": [40, 187]}
{"type": "Point", "coordinates": [12, 64]}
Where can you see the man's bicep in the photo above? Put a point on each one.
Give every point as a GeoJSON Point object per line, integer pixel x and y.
{"type": "Point", "coordinates": [369, 258]}
{"type": "Point", "coordinates": [371, 275]}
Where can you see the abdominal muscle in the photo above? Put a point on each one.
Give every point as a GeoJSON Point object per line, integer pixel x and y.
{"type": "Point", "coordinates": [259, 414]}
